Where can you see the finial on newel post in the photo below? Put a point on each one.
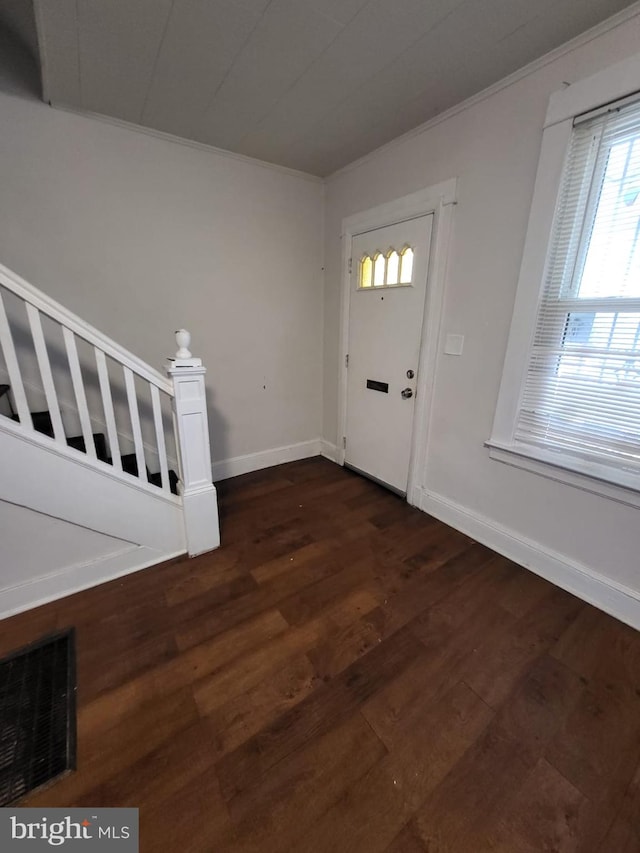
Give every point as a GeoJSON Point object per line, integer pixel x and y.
{"type": "Point", "coordinates": [183, 339]}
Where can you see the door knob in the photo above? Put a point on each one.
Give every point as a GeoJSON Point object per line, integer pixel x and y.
{"type": "Point", "coordinates": [406, 393]}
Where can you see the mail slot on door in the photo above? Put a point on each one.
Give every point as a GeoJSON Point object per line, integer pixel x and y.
{"type": "Point", "coordinates": [374, 385]}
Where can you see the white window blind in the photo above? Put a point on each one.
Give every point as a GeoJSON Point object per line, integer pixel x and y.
{"type": "Point", "coordinates": [581, 393]}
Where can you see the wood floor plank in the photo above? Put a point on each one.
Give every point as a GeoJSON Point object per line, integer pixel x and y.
{"type": "Point", "coordinates": [247, 671]}
{"type": "Point", "coordinates": [246, 714]}
{"type": "Point", "coordinates": [464, 810]}
{"type": "Point", "coordinates": [145, 782]}
{"type": "Point", "coordinates": [291, 560]}
{"type": "Point", "coordinates": [406, 842]}
{"type": "Point", "coordinates": [277, 814]}
{"type": "Point", "coordinates": [500, 664]}
{"type": "Point", "coordinates": [622, 837]}
{"type": "Point", "coordinates": [522, 592]}
{"type": "Point", "coordinates": [303, 605]}
{"type": "Point", "coordinates": [603, 651]}
{"type": "Point", "coordinates": [598, 749]}
{"type": "Point", "coordinates": [347, 673]}
{"type": "Point", "coordinates": [198, 621]}
{"type": "Point", "coordinates": [372, 812]}
{"type": "Point", "coordinates": [316, 714]}
{"type": "Point", "coordinates": [344, 645]}
{"type": "Point", "coordinates": [103, 753]}
{"type": "Point", "coordinates": [193, 820]}
{"type": "Point", "coordinates": [211, 574]}
{"type": "Point", "coordinates": [630, 809]}
{"type": "Point", "coordinates": [194, 666]}
{"type": "Point", "coordinates": [548, 813]}
{"type": "Point", "coordinates": [416, 591]}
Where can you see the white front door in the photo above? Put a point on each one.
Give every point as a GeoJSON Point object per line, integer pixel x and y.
{"type": "Point", "coordinates": [387, 299]}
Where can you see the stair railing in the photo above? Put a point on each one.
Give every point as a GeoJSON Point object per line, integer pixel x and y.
{"type": "Point", "coordinates": [185, 388]}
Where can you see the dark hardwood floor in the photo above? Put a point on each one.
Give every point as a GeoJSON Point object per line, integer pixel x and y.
{"type": "Point", "coordinates": [349, 674]}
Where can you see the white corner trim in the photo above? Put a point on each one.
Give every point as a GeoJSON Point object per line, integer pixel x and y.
{"type": "Point", "coordinates": [331, 452]}
{"type": "Point", "coordinates": [75, 578]}
{"type": "Point", "coordinates": [615, 599]}
{"type": "Point", "coordinates": [617, 20]}
{"type": "Point", "coordinates": [233, 467]}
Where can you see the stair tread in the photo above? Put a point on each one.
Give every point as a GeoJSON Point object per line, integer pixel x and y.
{"type": "Point", "coordinates": [130, 466]}
{"type": "Point", "coordinates": [99, 440]}
{"type": "Point", "coordinates": [156, 480]}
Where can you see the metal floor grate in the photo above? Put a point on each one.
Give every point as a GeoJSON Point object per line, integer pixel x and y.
{"type": "Point", "coordinates": [37, 715]}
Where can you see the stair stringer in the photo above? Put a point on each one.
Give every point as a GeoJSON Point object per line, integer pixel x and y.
{"type": "Point", "coordinates": [42, 476]}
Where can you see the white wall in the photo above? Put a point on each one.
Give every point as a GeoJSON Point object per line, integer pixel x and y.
{"type": "Point", "coordinates": [141, 235]}
{"type": "Point", "coordinates": [492, 147]}
{"type": "Point", "coordinates": [34, 544]}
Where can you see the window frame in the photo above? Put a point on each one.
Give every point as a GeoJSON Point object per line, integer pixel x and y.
{"type": "Point", "coordinates": [612, 84]}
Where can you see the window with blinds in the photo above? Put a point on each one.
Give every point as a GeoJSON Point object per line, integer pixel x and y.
{"type": "Point", "coordinates": [581, 393]}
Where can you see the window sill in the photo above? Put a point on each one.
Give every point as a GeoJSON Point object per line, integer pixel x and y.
{"type": "Point", "coordinates": [596, 478]}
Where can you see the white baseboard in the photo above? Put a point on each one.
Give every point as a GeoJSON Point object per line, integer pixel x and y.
{"type": "Point", "coordinates": [42, 590]}
{"type": "Point", "coordinates": [237, 465]}
{"type": "Point", "coordinates": [330, 451]}
{"type": "Point", "coordinates": [614, 598]}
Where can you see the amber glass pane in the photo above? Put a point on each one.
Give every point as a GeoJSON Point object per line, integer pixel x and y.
{"type": "Point", "coordinates": [406, 266]}
{"type": "Point", "coordinates": [378, 270]}
{"type": "Point", "coordinates": [366, 271]}
{"type": "Point", "coordinates": [393, 267]}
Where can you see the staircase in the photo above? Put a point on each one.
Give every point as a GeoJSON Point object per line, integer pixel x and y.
{"type": "Point", "coordinates": [96, 439]}
{"type": "Point", "coordinates": [43, 423]}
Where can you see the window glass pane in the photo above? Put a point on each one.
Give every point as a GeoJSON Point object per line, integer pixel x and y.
{"type": "Point", "coordinates": [393, 267]}
{"type": "Point", "coordinates": [582, 389]}
{"type": "Point", "coordinates": [406, 267]}
{"type": "Point", "coordinates": [578, 328]}
{"type": "Point", "coordinates": [612, 263]}
{"type": "Point", "coordinates": [366, 270]}
{"type": "Point", "coordinates": [378, 270]}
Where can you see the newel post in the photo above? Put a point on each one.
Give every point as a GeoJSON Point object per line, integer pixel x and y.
{"type": "Point", "coordinates": [192, 436]}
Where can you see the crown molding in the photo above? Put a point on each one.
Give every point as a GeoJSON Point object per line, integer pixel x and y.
{"type": "Point", "coordinates": [584, 38]}
{"type": "Point", "coordinates": [189, 143]}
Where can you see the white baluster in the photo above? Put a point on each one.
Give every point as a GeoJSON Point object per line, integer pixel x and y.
{"type": "Point", "coordinates": [107, 405]}
{"type": "Point", "coordinates": [160, 444]}
{"type": "Point", "coordinates": [192, 434]}
{"type": "Point", "coordinates": [13, 368]}
{"type": "Point", "coordinates": [78, 389]}
{"type": "Point", "coordinates": [44, 365]}
{"type": "Point", "coordinates": [135, 422]}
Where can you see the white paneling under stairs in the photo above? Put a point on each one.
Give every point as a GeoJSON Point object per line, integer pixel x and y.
{"type": "Point", "coordinates": [79, 509]}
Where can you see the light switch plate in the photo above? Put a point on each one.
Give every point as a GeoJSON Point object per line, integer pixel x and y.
{"type": "Point", "coordinates": [453, 344]}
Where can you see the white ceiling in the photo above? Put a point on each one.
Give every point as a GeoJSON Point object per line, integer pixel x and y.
{"type": "Point", "coordinates": [309, 84]}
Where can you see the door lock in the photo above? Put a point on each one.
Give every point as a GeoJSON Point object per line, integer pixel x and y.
{"type": "Point", "coordinates": [406, 393]}
{"type": "Point", "coordinates": [410, 374]}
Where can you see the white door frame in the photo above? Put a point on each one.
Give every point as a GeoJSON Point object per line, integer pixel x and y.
{"type": "Point", "coordinates": [438, 200]}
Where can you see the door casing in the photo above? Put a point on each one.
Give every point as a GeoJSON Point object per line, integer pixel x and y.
{"type": "Point", "coordinates": [440, 200]}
